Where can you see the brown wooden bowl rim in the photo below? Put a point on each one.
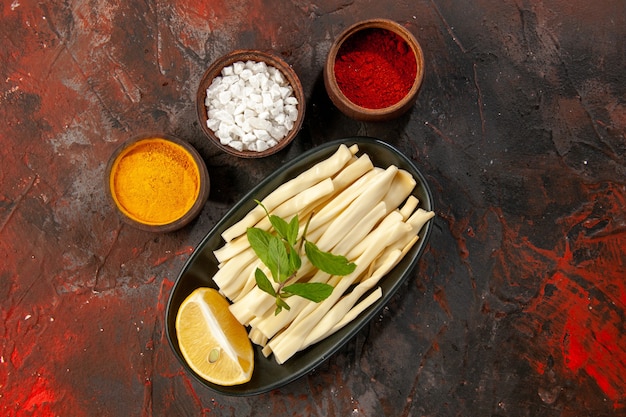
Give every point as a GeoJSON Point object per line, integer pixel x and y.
{"type": "Point", "coordinates": [253, 55]}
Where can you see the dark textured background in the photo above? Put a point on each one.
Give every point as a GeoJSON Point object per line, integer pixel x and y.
{"type": "Point", "coordinates": [517, 306]}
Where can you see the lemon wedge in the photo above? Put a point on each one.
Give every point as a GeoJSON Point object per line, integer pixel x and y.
{"type": "Point", "coordinates": [214, 344]}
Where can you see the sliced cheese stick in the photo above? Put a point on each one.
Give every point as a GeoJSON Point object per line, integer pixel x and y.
{"type": "Point", "coordinates": [401, 187]}
{"type": "Point", "coordinates": [320, 171]}
{"type": "Point", "coordinates": [409, 206]}
{"type": "Point", "coordinates": [272, 324]}
{"type": "Point", "coordinates": [286, 210]}
{"type": "Point", "coordinates": [419, 218]}
{"type": "Point", "coordinates": [356, 310]}
{"type": "Point", "coordinates": [290, 341]}
{"type": "Point", "coordinates": [345, 221]}
{"type": "Point", "coordinates": [370, 240]}
{"type": "Point", "coordinates": [339, 310]}
{"type": "Point", "coordinates": [363, 227]}
{"type": "Point", "coordinates": [331, 209]}
{"type": "Point", "coordinates": [232, 270]}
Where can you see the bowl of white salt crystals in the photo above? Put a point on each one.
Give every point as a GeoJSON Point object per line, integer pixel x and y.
{"type": "Point", "coordinates": [250, 103]}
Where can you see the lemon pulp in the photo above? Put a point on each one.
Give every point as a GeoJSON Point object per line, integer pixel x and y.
{"type": "Point", "coordinates": [214, 344]}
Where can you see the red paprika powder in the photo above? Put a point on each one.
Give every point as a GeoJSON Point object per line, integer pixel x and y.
{"type": "Point", "coordinates": [375, 68]}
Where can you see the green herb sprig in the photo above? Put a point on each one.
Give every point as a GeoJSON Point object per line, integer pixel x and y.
{"type": "Point", "coordinates": [278, 252]}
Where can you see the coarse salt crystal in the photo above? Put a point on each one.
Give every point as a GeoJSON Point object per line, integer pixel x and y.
{"type": "Point", "coordinates": [267, 99]}
{"type": "Point", "coordinates": [278, 77]}
{"type": "Point", "coordinates": [235, 90]}
{"type": "Point", "coordinates": [254, 81]}
{"type": "Point", "coordinates": [213, 124]}
{"type": "Point", "coordinates": [292, 112]}
{"type": "Point", "coordinates": [248, 113]}
{"type": "Point", "coordinates": [274, 90]}
{"type": "Point", "coordinates": [245, 74]}
{"type": "Point", "coordinates": [230, 79]}
{"type": "Point", "coordinates": [236, 131]}
{"type": "Point", "coordinates": [258, 123]}
{"type": "Point", "coordinates": [238, 67]}
{"type": "Point", "coordinates": [236, 145]}
{"type": "Point", "coordinates": [224, 135]}
{"type": "Point", "coordinates": [240, 109]}
{"type": "Point", "coordinates": [259, 67]}
{"type": "Point", "coordinates": [280, 118]}
{"type": "Point", "coordinates": [262, 134]}
{"type": "Point", "coordinates": [261, 146]}
{"type": "Point", "coordinates": [224, 116]}
{"type": "Point", "coordinates": [230, 108]}
{"type": "Point", "coordinates": [224, 97]}
{"type": "Point", "coordinates": [248, 138]}
{"type": "Point", "coordinates": [278, 132]}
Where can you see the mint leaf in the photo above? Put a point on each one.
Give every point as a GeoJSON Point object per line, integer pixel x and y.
{"type": "Point", "coordinates": [259, 241]}
{"type": "Point", "coordinates": [263, 282]}
{"type": "Point", "coordinates": [295, 262]}
{"type": "Point", "coordinates": [280, 304]}
{"type": "Point", "coordinates": [278, 260]}
{"type": "Point", "coordinates": [327, 262]}
{"type": "Point", "coordinates": [270, 250]}
{"type": "Point", "coordinates": [287, 231]}
{"type": "Point", "coordinates": [314, 291]}
{"type": "Point", "coordinates": [292, 232]}
{"type": "Point", "coordinates": [280, 225]}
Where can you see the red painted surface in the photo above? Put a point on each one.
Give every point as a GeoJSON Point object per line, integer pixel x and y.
{"type": "Point", "coordinates": [578, 313]}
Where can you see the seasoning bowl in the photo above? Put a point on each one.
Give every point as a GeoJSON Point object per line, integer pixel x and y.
{"type": "Point", "coordinates": [157, 183]}
{"type": "Point", "coordinates": [230, 65]}
{"type": "Point", "coordinates": [378, 54]}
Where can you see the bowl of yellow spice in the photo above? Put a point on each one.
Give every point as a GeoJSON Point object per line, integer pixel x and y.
{"type": "Point", "coordinates": [157, 183]}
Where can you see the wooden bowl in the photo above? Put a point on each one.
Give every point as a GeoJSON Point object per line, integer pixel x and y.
{"type": "Point", "coordinates": [131, 190]}
{"type": "Point", "coordinates": [257, 56]}
{"type": "Point", "coordinates": [356, 111]}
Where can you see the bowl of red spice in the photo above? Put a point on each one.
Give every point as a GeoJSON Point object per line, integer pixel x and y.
{"type": "Point", "coordinates": [374, 70]}
{"type": "Point", "coordinates": [157, 183]}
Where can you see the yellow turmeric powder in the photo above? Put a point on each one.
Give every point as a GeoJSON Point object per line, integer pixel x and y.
{"type": "Point", "coordinates": [155, 181]}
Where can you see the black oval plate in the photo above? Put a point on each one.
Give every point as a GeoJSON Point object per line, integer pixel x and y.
{"type": "Point", "coordinates": [202, 265]}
